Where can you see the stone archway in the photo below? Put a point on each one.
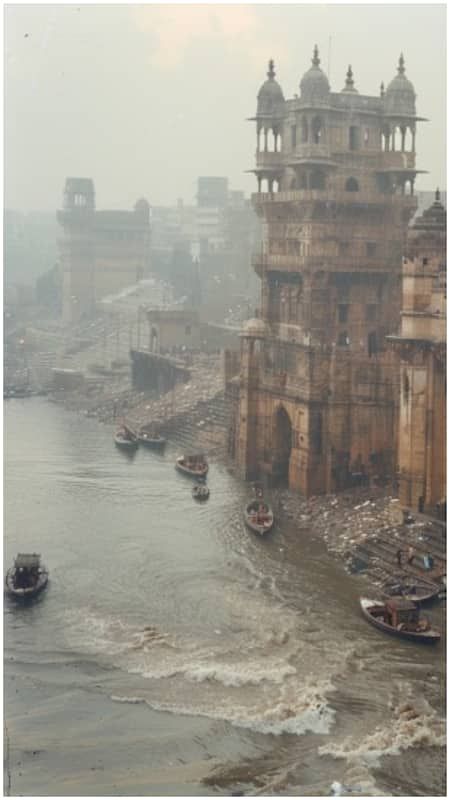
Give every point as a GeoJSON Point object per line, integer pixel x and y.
{"type": "Point", "coordinates": [281, 447]}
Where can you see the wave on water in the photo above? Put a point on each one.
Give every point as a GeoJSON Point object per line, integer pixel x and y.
{"type": "Point", "coordinates": [229, 675]}
{"type": "Point", "coordinates": [413, 724]}
{"type": "Point", "coordinates": [305, 711]}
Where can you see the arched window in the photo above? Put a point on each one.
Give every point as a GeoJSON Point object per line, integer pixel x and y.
{"type": "Point", "coordinates": [271, 140]}
{"type": "Point", "coordinates": [293, 184]}
{"type": "Point", "coordinates": [386, 135]}
{"type": "Point", "coordinates": [352, 185]}
{"type": "Point", "coordinates": [317, 180]}
{"type": "Point", "coordinates": [372, 344]}
{"type": "Point", "coordinates": [261, 140]}
{"type": "Point", "coordinates": [353, 138]}
{"type": "Point", "coordinates": [303, 180]}
{"type": "Point", "coordinates": [304, 129]}
{"type": "Point", "coordinates": [317, 130]}
{"type": "Point", "coordinates": [293, 136]}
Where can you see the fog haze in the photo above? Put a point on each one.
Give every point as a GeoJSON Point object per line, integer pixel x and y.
{"type": "Point", "coordinates": [143, 99]}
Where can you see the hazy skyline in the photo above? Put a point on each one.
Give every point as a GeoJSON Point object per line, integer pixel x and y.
{"type": "Point", "coordinates": [144, 99]}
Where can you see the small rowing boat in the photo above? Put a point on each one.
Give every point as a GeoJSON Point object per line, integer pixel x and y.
{"type": "Point", "coordinates": [151, 439]}
{"type": "Point", "coordinates": [200, 491]}
{"type": "Point", "coordinates": [258, 517]}
{"type": "Point", "coordinates": [126, 438]}
{"type": "Point", "coordinates": [195, 466]}
{"type": "Point", "coordinates": [27, 578]}
{"type": "Point", "coordinates": [400, 618]}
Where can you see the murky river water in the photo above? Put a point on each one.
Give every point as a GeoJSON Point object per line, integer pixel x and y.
{"type": "Point", "coordinates": [172, 645]}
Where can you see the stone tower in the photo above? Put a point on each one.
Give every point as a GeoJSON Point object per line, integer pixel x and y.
{"type": "Point", "coordinates": [101, 252]}
{"type": "Point", "coordinates": [421, 348]}
{"type": "Point", "coordinates": [318, 384]}
{"type": "Point", "coordinates": [76, 248]}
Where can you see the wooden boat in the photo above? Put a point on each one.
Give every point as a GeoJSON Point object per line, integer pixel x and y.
{"type": "Point", "coordinates": [126, 438]}
{"type": "Point", "coordinates": [151, 439]}
{"type": "Point", "coordinates": [27, 577]}
{"type": "Point", "coordinates": [195, 466]}
{"type": "Point", "coordinates": [416, 590]}
{"type": "Point", "coordinates": [200, 491]}
{"type": "Point", "coordinates": [400, 618]}
{"type": "Point", "coordinates": [258, 517]}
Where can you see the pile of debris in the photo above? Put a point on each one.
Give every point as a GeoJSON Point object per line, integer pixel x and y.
{"type": "Point", "coordinates": [362, 527]}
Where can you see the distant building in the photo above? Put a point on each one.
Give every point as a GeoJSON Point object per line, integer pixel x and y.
{"type": "Point", "coordinates": [172, 328]}
{"type": "Point", "coordinates": [101, 252]}
{"type": "Point", "coordinates": [212, 192]}
{"type": "Point", "coordinates": [421, 348]}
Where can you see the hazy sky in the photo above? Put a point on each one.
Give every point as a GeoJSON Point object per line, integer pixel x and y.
{"type": "Point", "coordinates": [144, 98]}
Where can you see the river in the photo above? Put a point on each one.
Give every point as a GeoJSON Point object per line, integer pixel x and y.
{"type": "Point", "coordinates": [175, 653]}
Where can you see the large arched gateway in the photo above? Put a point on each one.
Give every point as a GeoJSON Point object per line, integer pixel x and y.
{"type": "Point", "coordinates": [282, 445]}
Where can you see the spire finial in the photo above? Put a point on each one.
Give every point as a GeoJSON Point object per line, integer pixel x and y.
{"type": "Point", "coordinates": [437, 196]}
{"type": "Point", "coordinates": [401, 65]}
{"type": "Point", "coordinates": [316, 59]}
{"type": "Point", "coordinates": [271, 73]}
{"type": "Point", "coordinates": [349, 80]}
{"type": "Point", "coordinates": [382, 89]}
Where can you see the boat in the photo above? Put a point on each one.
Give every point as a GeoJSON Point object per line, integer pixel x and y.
{"type": "Point", "coordinates": [27, 577]}
{"type": "Point", "coordinates": [200, 491]}
{"type": "Point", "coordinates": [149, 438]}
{"type": "Point", "coordinates": [416, 590]}
{"type": "Point", "coordinates": [259, 517]}
{"type": "Point", "coordinates": [126, 438]}
{"type": "Point", "coordinates": [195, 466]}
{"type": "Point", "coordinates": [400, 618]}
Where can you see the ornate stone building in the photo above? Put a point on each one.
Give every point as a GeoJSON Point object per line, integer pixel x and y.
{"type": "Point", "coordinates": [421, 348]}
{"type": "Point", "coordinates": [100, 252]}
{"type": "Point", "coordinates": [318, 386]}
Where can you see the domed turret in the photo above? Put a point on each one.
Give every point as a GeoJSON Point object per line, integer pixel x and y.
{"type": "Point", "coordinates": [349, 82]}
{"type": "Point", "coordinates": [400, 97]}
{"type": "Point", "coordinates": [314, 86]}
{"type": "Point", "coordinates": [434, 217]}
{"type": "Point", "coordinates": [142, 208]}
{"type": "Point", "coordinates": [270, 95]}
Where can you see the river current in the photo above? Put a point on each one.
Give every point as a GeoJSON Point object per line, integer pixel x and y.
{"type": "Point", "coordinates": [175, 653]}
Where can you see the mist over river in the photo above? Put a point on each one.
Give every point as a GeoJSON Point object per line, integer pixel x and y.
{"type": "Point", "coordinates": [174, 653]}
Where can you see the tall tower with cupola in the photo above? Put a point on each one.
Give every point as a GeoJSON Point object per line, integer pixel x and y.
{"type": "Point", "coordinates": [335, 177]}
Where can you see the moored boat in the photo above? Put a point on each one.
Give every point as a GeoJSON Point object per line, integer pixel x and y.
{"type": "Point", "coordinates": [399, 617]}
{"type": "Point", "coordinates": [126, 438]}
{"type": "Point", "coordinates": [200, 491]}
{"type": "Point", "coordinates": [27, 577]}
{"type": "Point", "coordinates": [151, 439]}
{"type": "Point", "coordinates": [258, 517]}
{"type": "Point", "coordinates": [195, 466]}
{"type": "Point", "coordinates": [416, 590]}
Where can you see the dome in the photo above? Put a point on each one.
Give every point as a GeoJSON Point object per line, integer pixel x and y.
{"type": "Point", "coordinates": [400, 97]}
{"type": "Point", "coordinates": [142, 208]}
{"type": "Point", "coordinates": [349, 83]}
{"type": "Point", "coordinates": [254, 327]}
{"type": "Point", "coordinates": [314, 86]}
{"type": "Point", "coordinates": [270, 95]}
{"type": "Point", "coordinates": [434, 217]}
